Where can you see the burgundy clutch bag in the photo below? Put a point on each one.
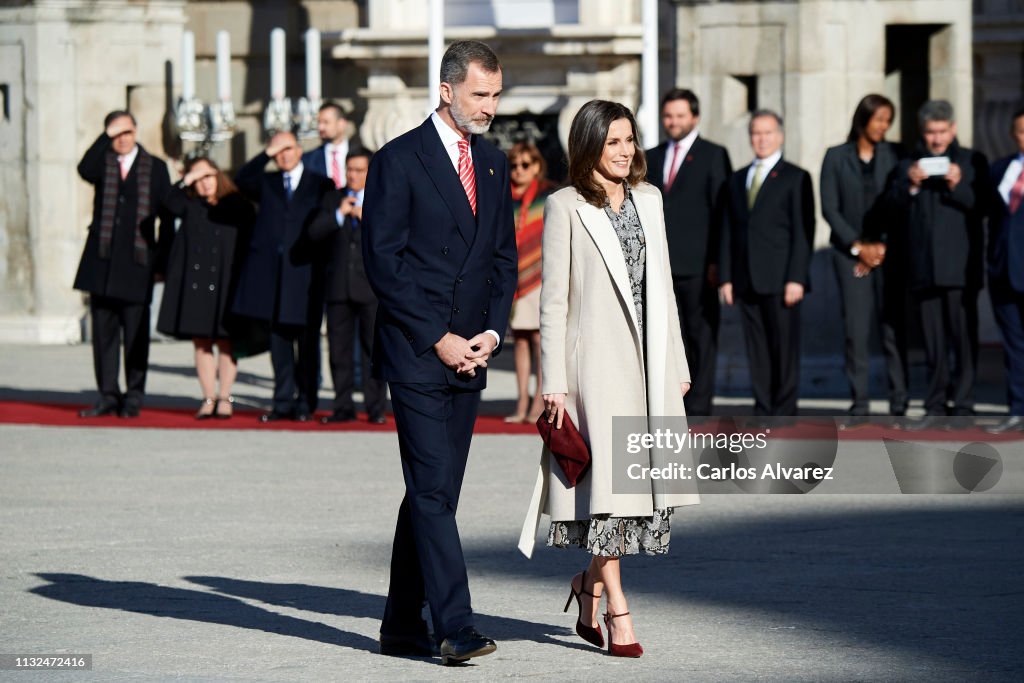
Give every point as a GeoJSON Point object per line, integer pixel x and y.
{"type": "Point", "coordinates": [566, 445]}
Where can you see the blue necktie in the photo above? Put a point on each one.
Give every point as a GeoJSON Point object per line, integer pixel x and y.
{"type": "Point", "coordinates": [355, 221]}
{"type": "Point", "coordinates": [288, 186]}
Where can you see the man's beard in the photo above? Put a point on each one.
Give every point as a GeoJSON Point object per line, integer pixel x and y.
{"type": "Point", "coordinates": [464, 122]}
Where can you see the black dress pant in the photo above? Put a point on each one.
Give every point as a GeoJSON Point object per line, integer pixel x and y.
{"type": "Point", "coordinates": [699, 315]}
{"type": "Point", "coordinates": [435, 426]}
{"type": "Point", "coordinates": [772, 333]}
{"type": "Point", "coordinates": [341, 337]}
{"type": "Point", "coordinates": [295, 357]}
{"type": "Point", "coordinates": [868, 301]}
{"type": "Point", "coordinates": [949, 320]}
{"type": "Point", "coordinates": [1008, 306]}
{"type": "Point", "coordinates": [115, 321]}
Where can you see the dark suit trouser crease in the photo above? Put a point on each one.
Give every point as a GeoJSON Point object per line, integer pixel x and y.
{"type": "Point", "coordinates": [867, 300]}
{"type": "Point", "coordinates": [947, 314]}
{"type": "Point", "coordinates": [772, 333]}
{"type": "Point", "coordinates": [435, 426]}
{"type": "Point", "coordinates": [114, 321]}
{"type": "Point", "coordinates": [341, 336]}
{"type": "Point", "coordinates": [699, 316]}
{"type": "Point", "coordinates": [1008, 307]}
{"type": "Point", "coordinates": [295, 357]}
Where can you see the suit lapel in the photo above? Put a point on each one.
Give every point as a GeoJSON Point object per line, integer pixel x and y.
{"type": "Point", "coordinates": [656, 167]}
{"type": "Point", "coordinates": [603, 234]}
{"type": "Point", "coordinates": [486, 187]}
{"type": "Point", "coordinates": [442, 174]}
{"type": "Point", "coordinates": [769, 180]}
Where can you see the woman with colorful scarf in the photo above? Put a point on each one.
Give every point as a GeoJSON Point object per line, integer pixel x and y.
{"type": "Point", "coordinates": [529, 192]}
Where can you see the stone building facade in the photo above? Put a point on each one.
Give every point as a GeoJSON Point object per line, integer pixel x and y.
{"type": "Point", "coordinates": [64, 63]}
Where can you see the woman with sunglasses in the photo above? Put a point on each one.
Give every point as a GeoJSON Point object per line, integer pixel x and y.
{"type": "Point", "coordinates": [529, 192]}
{"type": "Point", "coordinates": [201, 272]}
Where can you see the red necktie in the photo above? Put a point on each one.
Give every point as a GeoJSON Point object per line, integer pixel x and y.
{"type": "Point", "coordinates": [466, 174]}
{"type": "Point", "coordinates": [1017, 193]}
{"type": "Point", "coordinates": [673, 168]}
{"type": "Point", "coordinates": [336, 170]}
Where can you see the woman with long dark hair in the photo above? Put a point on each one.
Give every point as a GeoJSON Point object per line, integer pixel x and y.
{"type": "Point", "coordinates": [530, 190]}
{"type": "Point", "coordinates": [201, 273]}
{"type": "Point", "coordinates": [611, 346]}
{"type": "Point", "coordinates": [854, 177]}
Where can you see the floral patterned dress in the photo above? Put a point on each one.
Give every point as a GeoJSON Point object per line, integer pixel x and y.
{"type": "Point", "coordinates": [604, 535]}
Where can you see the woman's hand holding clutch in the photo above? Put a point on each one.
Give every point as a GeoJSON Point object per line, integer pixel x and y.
{"type": "Point", "coordinates": [554, 407]}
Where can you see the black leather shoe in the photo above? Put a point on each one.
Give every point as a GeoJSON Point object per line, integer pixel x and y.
{"type": "Point", "coordinates": [302, 416]}
{"type": "Point", "coordinates": [98, 411]}
{"type": "Point", "coordinates": [338, 416]}
{"type": "Point", "coordinates": [465, 644]}
{"type": "Point", "coordinates": [273, 416]}
{"type": "Point", "coordinates": [407, 646]}
{"type": "Point", "coordinates": [1014, 423]}
{"type": "Point", "coordinates": [925, 423]}
{"type": "Point", "coordinates": [129, 411]}
{"type": "Point", "coordinates": [377, 420]}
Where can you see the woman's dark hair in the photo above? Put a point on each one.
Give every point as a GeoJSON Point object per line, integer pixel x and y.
{"type": "Point", "coordinates": [866, 108]}
{"type": "Point", "coordinates": [529, 149]}
{"type": "Point", "coordinates": [587, 137]}
{"type": "Point", "coordinates": [224, 184]}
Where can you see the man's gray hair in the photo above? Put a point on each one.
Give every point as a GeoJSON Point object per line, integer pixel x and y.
{"type": "Point", "coordinates": [935, 110]}
{"type": "Point", "coordinates": [460, 54]}
{"type": "Point", "coordinates": [761, 114]}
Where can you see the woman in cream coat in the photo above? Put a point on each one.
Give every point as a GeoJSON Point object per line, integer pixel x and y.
{"type": "Point", "coordinates": [611, 346]}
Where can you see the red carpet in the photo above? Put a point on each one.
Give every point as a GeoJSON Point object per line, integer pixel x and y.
{"type": "Point", "coordinates": [63, 415]}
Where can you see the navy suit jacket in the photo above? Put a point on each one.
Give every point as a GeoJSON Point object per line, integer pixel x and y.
{"type": "Point", "coordinates": [769, 245]}
{"type": "Point", "coordinates": [273, 269]}
{"type": "Point", "coordinates": [434, 267]}
{"type": "Point", "coordinates": [1005, 234]}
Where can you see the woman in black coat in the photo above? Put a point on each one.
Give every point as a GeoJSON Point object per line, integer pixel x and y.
{"type": "Point", "coordinates": [201, 273]}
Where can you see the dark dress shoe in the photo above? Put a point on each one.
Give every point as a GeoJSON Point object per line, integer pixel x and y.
{"type": "Point", "coordinates": [407, 646]}
{"type": "Point", "coordinates": [98, 411]}
{"type": "Point", "coordinates": [925, 423]}
{"type": "Point", "coordinates": [338, 416]}
{"type": "Point", "coordinates": [273, 416]}
{"type": "Point", "coordinates": [1014, 423]}
{"type": "Point", "coordinates": [465, 644]}
{"type": "Point", "coordinates": [377, 420]}
{"type": "Point", "coordinates": [302, 416]}
{"type": "Point", "coordinates": [129, 411]}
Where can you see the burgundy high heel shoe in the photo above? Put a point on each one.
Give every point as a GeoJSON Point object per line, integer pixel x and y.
{"type": "Point", "coordinates": [631, 650]}
{"type": "Point", "coordinates": [590, 634]}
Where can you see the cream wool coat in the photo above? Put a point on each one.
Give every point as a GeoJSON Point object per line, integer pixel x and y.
{"type": "Point", "coordinates": [591, 351]}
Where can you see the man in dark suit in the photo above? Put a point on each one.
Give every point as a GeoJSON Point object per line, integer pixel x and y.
{"type": "Point", "coordinates": [278, 282]}
{"type": "Point", "coordinates": [691, 172]}
{"type": "Point", "coordinates": [123, 253]}
{"type": "Point", "coordinates": [338, 230]}
{"type": "Point", "coordinates": [767, 233]}
{"type": "Point", "coordinates": [943, 191]}
{"type": "Point", "coordinates": [1006, 269]}
{"type": "Point", "coordinates": [440, 252]}
{"type": "Point", "coordinates": [328, 160]}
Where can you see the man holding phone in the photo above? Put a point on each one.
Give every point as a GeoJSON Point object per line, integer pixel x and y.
{"type": "Point", "coordinates": [943, 192]}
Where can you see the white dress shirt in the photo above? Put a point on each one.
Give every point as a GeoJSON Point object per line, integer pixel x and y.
{"type": "Point", "coordinates": [126, 160]}
{"type": "Point", "coordinates": [342, 149]}
{"type": "Point", "coordinates": [768, 163]}
{"type": "Point", "coordinates": [1013, 172]}
{"type": "Point", "coordinates": [450, 139]}
{"type": "Point", "coordinates": [295, 175]}
{"type": "Point", "coordinates": [684, 146]}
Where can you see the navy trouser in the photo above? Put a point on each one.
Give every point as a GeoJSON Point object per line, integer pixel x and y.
{"type": "Point", "coordinates": [435, 427]}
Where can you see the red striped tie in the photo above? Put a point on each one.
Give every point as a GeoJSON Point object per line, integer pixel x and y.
{"type": "Point", "coordinates": [466, 174]}
{"type": "Point", "coordinates": [1017, 193]}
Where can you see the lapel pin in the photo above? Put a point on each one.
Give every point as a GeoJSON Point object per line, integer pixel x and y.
{"type": "Point", "coordinates": [689, 157]}
{"type": "Point", "coordinates": [491, 170]}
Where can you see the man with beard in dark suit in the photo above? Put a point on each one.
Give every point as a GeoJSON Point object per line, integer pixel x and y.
{"type": "Point", "coordinates": [440, 251]}
{"type": "Point", "coordinates": [943, 190]}
{"type": "Point", "coordinates": [279, 283]}
{"type": "Point", "coordinates": [350, 300]}
{"type": "Point", "coordinates": [691, 172]}
{"type": "Point", "coordinates": [767, 233]}
{"type": "Point", "coordinates": [123, 253]}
